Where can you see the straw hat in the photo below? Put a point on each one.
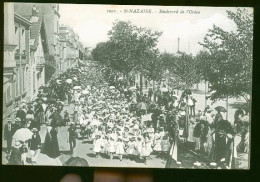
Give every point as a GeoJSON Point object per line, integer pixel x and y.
{"type": "Point", "coordinates": [34, 129]}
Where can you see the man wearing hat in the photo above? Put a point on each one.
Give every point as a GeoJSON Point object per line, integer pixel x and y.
{"type": "Point", "coordinates": [8, 134]}
{"type": "Point", "coordinates": [21, 114]}
{"type": "Point", "coordinates": [17, 124]}
{"type": "Point", "coordinates": [34, 145]}
{"type": "Point", "coordinates": [72, 136]}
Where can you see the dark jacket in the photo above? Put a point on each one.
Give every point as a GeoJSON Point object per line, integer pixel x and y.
{"type": "Point", "coordinates": [35, 142]}
{"type": "Point", "coordinates": [15, 157]}
{"type": "Point", "coordinates": [8, 134]}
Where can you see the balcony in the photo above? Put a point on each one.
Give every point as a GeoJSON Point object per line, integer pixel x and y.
{"type": "Point", "coordinates": [21, 57]}
{"type": "Point", "coordinates": [40, 60]}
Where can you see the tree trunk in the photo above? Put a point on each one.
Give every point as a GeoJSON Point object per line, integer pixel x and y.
{"type": "Point", "coordinates": [141, 83]}
{"type": "Point", "coordinates": [205, 93]}
{"type": "Point", "coordinates": [227, 108]}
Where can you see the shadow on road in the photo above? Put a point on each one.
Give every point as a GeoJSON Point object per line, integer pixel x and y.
{"type": "Point", "coordinates": [91, 155]}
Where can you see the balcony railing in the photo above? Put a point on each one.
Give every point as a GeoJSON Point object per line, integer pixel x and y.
{"type": "Point", "coordinates": [21, 58]}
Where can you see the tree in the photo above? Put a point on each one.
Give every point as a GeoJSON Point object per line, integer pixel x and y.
{"type": "Point", "coordinates": [153, 70]}
{"type": "Point", "coordinates": [129, 48]}
{"type": "Point", "coordinates": [182, 70]}
{"type": "Point", "coordinates": [230, 70]}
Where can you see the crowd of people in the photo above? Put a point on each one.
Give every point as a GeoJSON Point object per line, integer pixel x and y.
{"type": "Point", "coordinates": [121, 121]}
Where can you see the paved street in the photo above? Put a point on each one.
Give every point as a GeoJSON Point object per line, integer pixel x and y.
{"type": "Point", "coordinates": [84, 148]}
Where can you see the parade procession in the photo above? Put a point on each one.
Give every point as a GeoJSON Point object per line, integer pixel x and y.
{"type": "Point", "coordinates": [126, 103]}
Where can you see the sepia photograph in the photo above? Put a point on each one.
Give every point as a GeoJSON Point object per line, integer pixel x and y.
{"type": "Point", "coordinates": [127, 86]}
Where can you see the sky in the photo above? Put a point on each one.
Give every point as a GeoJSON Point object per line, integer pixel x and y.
{"type": "Point", "coordinates": [92, 23]}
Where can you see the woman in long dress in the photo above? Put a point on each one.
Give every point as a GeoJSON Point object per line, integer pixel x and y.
{"type": "Point", "coordinates": [51, 145]}
{"type": "Point", "coordinates": [39, 115]}
{"type": "Point", "coordinates": [192, 124]}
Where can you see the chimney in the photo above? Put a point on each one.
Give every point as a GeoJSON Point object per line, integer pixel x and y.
{"type": "Point", "coordinates": [178, 49]}
{"type": "Point", "coordinates": [35, 11]}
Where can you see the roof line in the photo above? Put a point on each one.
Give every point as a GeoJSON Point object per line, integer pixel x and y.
{"type": "Point", "coordinates": [21, 18]}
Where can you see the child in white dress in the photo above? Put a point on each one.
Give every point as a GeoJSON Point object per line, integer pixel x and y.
{"type": "Point", "coordinates": [120, 148]}
{"type": "Point", "coordinates": [146, 147]}
{"type": "Point", "coordinates": [131, 151]}
{"type": "Point", "coordinates": [157, 142]}
{"type": "Point", "coordinates": [138, 146]}
{"type": "Point", "coordinates": [111, 147]}
{"type": "Point", "coordinates": [97, 145]}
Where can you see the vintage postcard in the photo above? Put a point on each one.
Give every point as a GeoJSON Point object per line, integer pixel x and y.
{"type": "Point", "coordinates": [127, 86]}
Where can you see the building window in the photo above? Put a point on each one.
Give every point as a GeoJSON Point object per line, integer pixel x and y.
{"type": "Point", "coordinates": [16, 29]}
{"type": "Point", "coordinates": [22, 32]}
{"type": "Point", "coordinates": [8, 95]}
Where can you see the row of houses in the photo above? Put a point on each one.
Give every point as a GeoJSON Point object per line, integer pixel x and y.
{"type": "Point", "coordinates": [36, 47]}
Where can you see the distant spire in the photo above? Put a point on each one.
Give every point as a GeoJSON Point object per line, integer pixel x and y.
{"type": "Point", "coordinates": [189, 47]}
{"type": "Point", "coordinates": [178, 48]}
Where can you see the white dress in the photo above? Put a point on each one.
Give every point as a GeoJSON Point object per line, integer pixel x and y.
{"type": "Point", "coordinates": [97, 145]}
{"type": "Point", "coordinates": [111, 146]}
{"type": "Point", "coordinates": [120, 148]}
{"type": "Point", "coordinates": [157, 142]}
{"type": "Point", "coordinates": [138, 147]}
{"type": "Point", "coordinates": [191, 128]}
{"type": "Point", "coordinates": [146, 148]}
{"type": "Point", "coordinates": [131, 148]}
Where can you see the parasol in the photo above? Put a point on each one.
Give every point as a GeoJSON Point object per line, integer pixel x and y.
{"type": "Point", "coordinates": [141, 106]}
{"type": "Point", "coordinates": [77, 87]}
{"type": "Point", "coordinates": [175, 96]}
{"type": "Point", "coordinates": [132, 88]}
{"type": "Point", "coordinates": [76, 161]}
{"type": "Point", "coordinates": [29, 116]}
{"type": "Point", "coordinates": [23, 134]}
{"type": "Point", "coordinates": [95, 123]}
{"type": "Point", "coordinates": [44, 98]}
{"type": "Point", "coordinates": [58, 82]}
{"type": "Point", "coordinates": [85, 92]}
{"type": "Point", "coordinates": [220, 109]}
{"type": "Point", "coordinates": [164, 89]}
{"type": "Point", "coordinates": [41, 87]}
{"type": "Point", "coordinates": [69, 80]}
